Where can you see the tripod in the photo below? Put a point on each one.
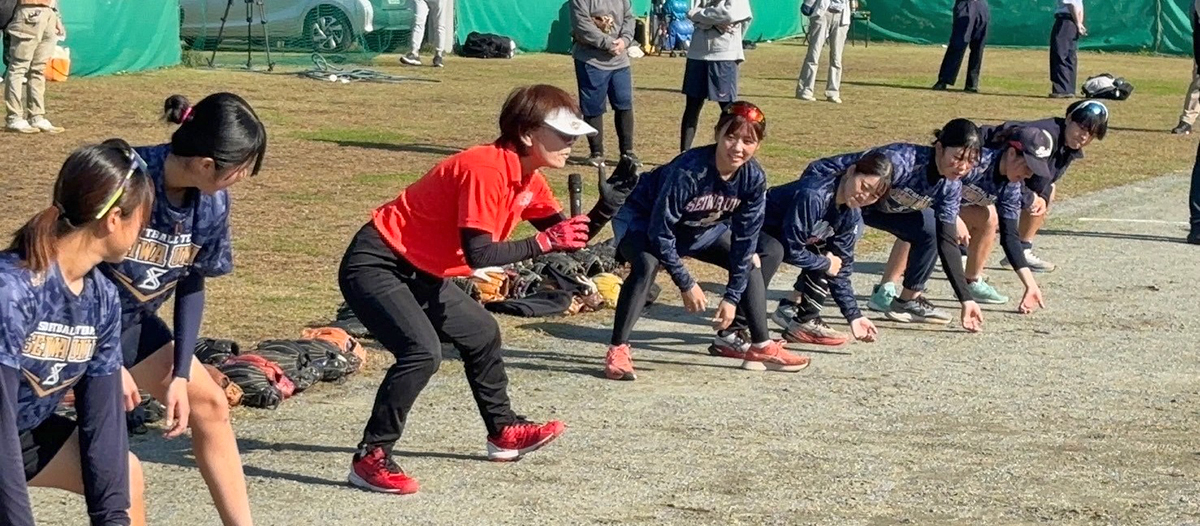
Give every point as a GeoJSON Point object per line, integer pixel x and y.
{"type": "Point", "coordinates": [262, 17]}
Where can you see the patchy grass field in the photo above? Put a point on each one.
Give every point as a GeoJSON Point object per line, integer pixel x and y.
{"type": "Point", "coordinates": [337, 151]}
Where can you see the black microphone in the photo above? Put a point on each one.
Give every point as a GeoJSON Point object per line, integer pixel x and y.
{"type": "Point", "coordinates": [575, 187]}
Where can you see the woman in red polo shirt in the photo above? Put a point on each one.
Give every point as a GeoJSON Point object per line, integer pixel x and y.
{"type": "Point", "coordinates": [455, 218]}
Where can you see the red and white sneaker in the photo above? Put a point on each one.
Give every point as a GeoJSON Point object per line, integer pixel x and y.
{"type": "Point", "coordinates": [618, 365]}
{"type": "Point", "coordinates": [773, 357]}
{"type": "Point", "coordinates": [732, 345]}
{"type": "Point", "coordinates": [376, 471]}
{"type": "Point", "coordinates": [522, 437]}
{"type": "Point", "coordinates": [814, 331]}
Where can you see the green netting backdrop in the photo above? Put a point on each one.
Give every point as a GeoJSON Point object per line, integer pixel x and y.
{"type": "Point", "coordinates": [1124, 25]}
{"type": "Point", "coordinates": [111, 36]}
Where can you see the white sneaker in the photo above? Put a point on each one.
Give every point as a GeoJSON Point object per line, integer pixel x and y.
{"type": "Point", "coordinates": [44, 125]}
{"type": "Point", "coordinates": [1036, 264]}
{"type": "Point", "coordinates": [806, 97]}
{"type": "Point", "coordinates": [21, 126]}
{"type": "Point", "coordinates": [411, 59]}
{"type": "Point", "coordinates": [834, 99]}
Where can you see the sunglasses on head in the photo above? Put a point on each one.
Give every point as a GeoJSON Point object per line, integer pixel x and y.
{"type": "Point", "coordinates": [136, 164]}
{"type": "Point", "coordinates": [747, 111]}
{"type": "Point", "coordinates": [1092, 107]}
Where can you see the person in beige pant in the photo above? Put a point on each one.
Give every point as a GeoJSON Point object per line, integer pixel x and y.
{"type": "Point", "coordinates": [32, 35]}
{"type": "Point", "coordinates": [829, 21]}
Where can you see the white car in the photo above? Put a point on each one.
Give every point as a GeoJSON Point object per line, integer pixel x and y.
{"type": "Point", "coordinates": [319, 25]}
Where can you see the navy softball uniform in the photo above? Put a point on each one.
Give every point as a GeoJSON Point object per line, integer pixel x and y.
{"type": "Point", "coordinates": [985, 186]}
{"type": "Point", "coordinates": [1061, 155]}
{"type": "Point", "coordinates": [921, 209]}
{"type": "Point", "coordinates": [684, 205]}
{"type": "Point", "coordinates": [175, 252]}
{"type": "Point", "coordinates": [52, 340]}
{"type": "Point", "coordinates": [805, 217]}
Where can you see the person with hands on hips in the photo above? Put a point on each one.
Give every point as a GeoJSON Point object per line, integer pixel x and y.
{"type": "Point", "coordinates": [707, 204]}
{"type": "Point", "coordinates": [32, 34]}
{"type": "Point", "coordinates": [603, 31]}
{"type": "Point", "coordinates": [817, 219]}
{"type": "Point", "coordinates": [395, 274]}
{"type": "Point", "coordinates": [1064, 48]}
{"type": "Point", "coordinates": [60, 329]}
{"type": "Point", "coordinates": [219, 142]}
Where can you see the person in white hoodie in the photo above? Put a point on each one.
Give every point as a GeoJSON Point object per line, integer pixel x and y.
{"type": "Point", "coordinates": [712, 61]}
{"type": "Point", "coordinates": [828, 20]}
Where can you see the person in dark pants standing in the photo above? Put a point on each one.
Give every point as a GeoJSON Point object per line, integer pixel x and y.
{"type": "Point", "coordinates": [1194, 203]}
{"type": "Point", "coordinates": [1064, 45]}
{"type": "Point", "coordinates": [1191, 101]}
{"type": "Point", "coordinates": [603, 32]}
{"type": "Point", "coordinates": [971, 18]}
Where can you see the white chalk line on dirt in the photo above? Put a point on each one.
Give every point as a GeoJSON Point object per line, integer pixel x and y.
{"type": "Point", "coordinates": [1149, 221]}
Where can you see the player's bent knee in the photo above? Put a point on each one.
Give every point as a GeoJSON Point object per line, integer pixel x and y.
{"type": "Point", "coordinates": [209, 405]}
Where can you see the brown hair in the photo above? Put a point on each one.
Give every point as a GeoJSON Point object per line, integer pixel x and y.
{"type": "Point", "coordinates": [742, 116]}
{"type": "Point", "coordinates": [526, 108]}
{"type": "Point", "coordinates": [87, 180]}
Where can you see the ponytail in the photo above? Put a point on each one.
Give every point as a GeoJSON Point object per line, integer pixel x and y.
{"type": "Point", "coordinates": [92, 181]}
{"type": "Point", "coordinates": [36, 241]}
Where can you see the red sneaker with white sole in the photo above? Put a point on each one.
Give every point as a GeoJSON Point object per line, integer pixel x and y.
{"type": "Point", "coordinates": [773, 357]}
{"type": "Point", "coordinates": [376, 471]}
{"type": "Point", "coordinates": [520, 438]}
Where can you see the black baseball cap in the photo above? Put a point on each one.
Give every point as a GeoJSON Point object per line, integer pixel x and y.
{"type": "Point", "coordinates": [1037, 145]}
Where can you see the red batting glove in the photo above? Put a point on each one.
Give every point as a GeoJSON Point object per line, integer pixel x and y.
{"type": "Point", "coordinates": [571, 234]}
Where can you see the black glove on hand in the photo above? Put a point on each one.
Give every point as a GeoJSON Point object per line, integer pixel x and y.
{"type": "Point", "coordinates": [613, 192]}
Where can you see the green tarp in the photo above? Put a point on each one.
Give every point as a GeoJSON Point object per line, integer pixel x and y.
{"type": "Point", "coordinates": [113, 36]}
{"type": "Point", "coordinates": [545, 25]}
{"type": "Point", "coordinates": [1124, 25]}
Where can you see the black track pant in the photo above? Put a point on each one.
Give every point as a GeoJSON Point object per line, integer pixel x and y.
{"type": "Point", "coordinates": [411, 313]}
{"type": "Point", "coordinates": [751, 312]}
{"type": "Point", "coordinates": [1064, 60]}
{"type": "Point", "coordinates": [813, 285]}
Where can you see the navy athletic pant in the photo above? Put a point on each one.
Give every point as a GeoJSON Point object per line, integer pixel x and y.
{"type": "Point", "coordinates": [1064, 42]}
{"type": "Point", "coordinates": [971, 18]}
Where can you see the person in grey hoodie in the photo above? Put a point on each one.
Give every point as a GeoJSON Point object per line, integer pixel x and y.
{"type": "Point", "coordinates": [603, 31]}
{"type": "Point", "coordinates": [712, 61]}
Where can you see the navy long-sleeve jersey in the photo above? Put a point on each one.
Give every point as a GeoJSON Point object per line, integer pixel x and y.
{"type": "Point", "coordinates": [677, 203]}
{"type": "Point", "coordinates": [1061, 156]}
{"type": "Point", "coordinates": [179, 247]}
{"type": "Point", "coordinates": [52, 340]}
{"type": "Point", "coordinates": [916, 184]}
{"type": "Point", "coordinates": [986, 186]}
{"type": "Point", "coordinates": [806, 213]}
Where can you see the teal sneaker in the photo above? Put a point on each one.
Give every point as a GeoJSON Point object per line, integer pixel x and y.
{"type": "Point", "coordinates": [985, 293]}
{"type": "Point", "coordinates": [881, 298]}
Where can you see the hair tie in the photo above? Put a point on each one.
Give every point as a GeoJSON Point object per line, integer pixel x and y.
{"type": "Point", "coordinates": [62, 214]}
{"type": "Point", "coordinates": [187, 115]}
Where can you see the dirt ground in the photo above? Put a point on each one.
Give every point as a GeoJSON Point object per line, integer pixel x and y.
{"type": "Point", "coordinates": [1081, 414]}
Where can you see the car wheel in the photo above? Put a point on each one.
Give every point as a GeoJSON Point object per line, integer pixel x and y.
{"type": "Point", "coordinates": [385, 41]}
{"type": "Point", "coordinates": [328, 30]}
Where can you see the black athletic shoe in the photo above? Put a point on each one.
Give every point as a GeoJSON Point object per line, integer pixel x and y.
{"type": "Point", "coordinates": [941, 86]}
{"type": "Point", "coordinates": [971, 89]}
{"type": "Point", "coordinates": [1194, 238]}
{"type": "Point", "coordinates": [632, 158]}
{"type": "Point", "coordinates": [1182, 128]}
